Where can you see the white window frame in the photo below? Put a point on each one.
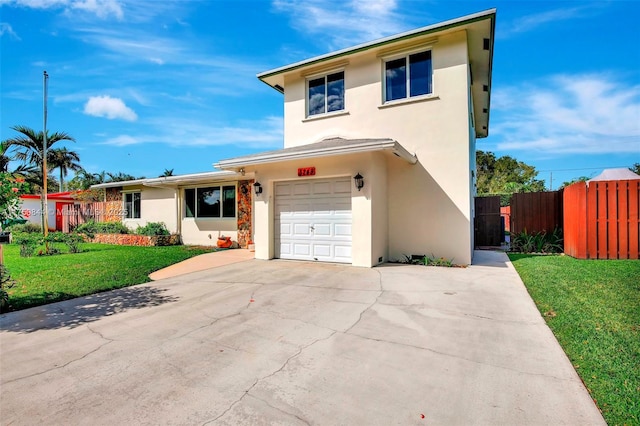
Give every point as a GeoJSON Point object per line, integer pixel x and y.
{"type": "Point", "coordinates": [324, 75]}
{"type": "Point", "coordinates": [407, 97]}
{"type": "Point", "coordinates": [124, 205]}
{"type": "Point", "coordinates": [212, 185]}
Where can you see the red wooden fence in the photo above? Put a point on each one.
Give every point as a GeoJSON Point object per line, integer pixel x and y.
{"type": "Point", "coordinates": [601, 220]}
{"type": "Point", "coordinates": [106, 211]}
{"type": "Point", "coordinates": [536, 212]}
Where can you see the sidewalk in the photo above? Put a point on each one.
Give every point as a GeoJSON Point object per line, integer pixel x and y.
{"type": "Point", "coordinates": [202, 262]}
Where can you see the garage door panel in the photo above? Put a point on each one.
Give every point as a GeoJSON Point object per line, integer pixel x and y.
{"type": "Point", "coordinates": [301, 189]}
{"type": "Point", "coordinates": [314, 219]}
{"type": "Point", "coordinates": [342, 187]}
{"type": "Point", "coordinates": [301, 229]}
{"type": "Point", "coordinates": [322, 230]}
{"type": "Point", "coordinates": [321, 188]}
{"type": "Point", "coordinates": [301, 249]}
{"type": "Point", "coordinates": [342, 252]}
{"type": "Point", "coordinates": [342, 230]}
{"type": "Point", "coordinates": [322, 250]}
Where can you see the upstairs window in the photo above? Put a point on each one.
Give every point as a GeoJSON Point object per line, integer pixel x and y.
{"type": "Point", "coordinates": [132, 205]}
{"type": "Point", "coordinates": [210, 202]}
{"type": "Point", "coordinates": [408, 76]}
{"type": "Point", "coordinates": [325, 94]}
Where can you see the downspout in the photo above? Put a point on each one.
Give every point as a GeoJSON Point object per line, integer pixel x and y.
{"type": "Point", "coordinates": [178, 213]}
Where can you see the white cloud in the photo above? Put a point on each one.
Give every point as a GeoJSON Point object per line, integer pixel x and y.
{"type": "Point", "coordinates": [344, 23]}
{"type": "Point", "coordinates": [533, 21]}
{"type": "Point", "coordinates": [101, 8]}
{"type": "Point", "coordinates": [111, 108]}
{"type": "Point", "coordinates": [588, 114]}
{"type": "Point", "coordinates": [264, 134]}
{"type": "Point", "coordinates": [5, 28]}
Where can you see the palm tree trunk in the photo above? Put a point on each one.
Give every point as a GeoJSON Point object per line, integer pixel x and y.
{"type": "Point", "coordinates": [61, 183]}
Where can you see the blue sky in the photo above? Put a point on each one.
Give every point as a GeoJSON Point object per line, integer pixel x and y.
{"type": "Point", "coordinates": [146, 86]}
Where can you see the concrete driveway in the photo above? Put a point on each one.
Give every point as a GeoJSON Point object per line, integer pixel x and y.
{"type": "Point", "coordinates": [277, 342]}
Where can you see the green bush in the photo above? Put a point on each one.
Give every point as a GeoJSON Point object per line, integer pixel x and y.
{"type": "Point", "coordinates": [91, 228]}
{"type": "Point", "coordinates": [30, 228]}
{"type": "Point", "coordinates": [72, 241]}
{"type": "Point", "coordinates": [153, 228]}
{"type": "Point", "coordinates": [5, 283]}
{"type": "Point", "coordinates": [541, 242]}
{"type": "Point", "coordinates": [27, 242]}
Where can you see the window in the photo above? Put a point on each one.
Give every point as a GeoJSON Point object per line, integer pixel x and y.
{"type": "Point", "coordinates": [211, 201]}
{"type": "Point", "coordinates": [326, 94]}
{"type": "Point", "coordinates": [402, 81]}
{"type": "Point", "coordinates": [132, 205]}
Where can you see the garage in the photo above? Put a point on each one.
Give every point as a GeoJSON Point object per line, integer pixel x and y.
{"type": "Point", "coordinates": [313, 220]}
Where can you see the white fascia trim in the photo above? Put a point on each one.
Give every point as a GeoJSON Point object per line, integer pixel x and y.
{"type": "Point", "coordinates": [390, 145]}
{"type": "Point", "coordinates": [418, 31]}
{"type": "Point", "coordinates": [173, 181]}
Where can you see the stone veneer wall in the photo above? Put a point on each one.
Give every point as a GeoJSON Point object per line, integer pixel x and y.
{"type": "Point", "coordinates": [112, 209]}
{"type": "Point", "coordinates": [136, 240]}
{"type": "Point", "coordinates": [244, 212]}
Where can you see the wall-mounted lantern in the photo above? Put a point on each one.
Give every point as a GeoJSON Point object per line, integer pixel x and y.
{"type": "Point", "coordinates": [359, 181]}
{"type": "Point", "coordinates": [258, 188]}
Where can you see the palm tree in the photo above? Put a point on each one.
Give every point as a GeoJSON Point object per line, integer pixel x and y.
{"type": "Point", "coordinates": [63, 160]}
{"type": "Point", "coordinates": [167, 173]}
{"type": "Point", "coordinates": [120, 177]}
{"type": "Point", "coordinates": [29, 146]}
{"type": "Point", "coordinates": [4, 158]}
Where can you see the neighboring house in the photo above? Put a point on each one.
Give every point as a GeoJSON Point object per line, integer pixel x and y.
{"type": "Point", "coordinates": [400, 114]}
{"type": "Point", "coordinates": [403, 113]}
{"type": "Point", "coordinates": [200, 207]}
{"type": "Point", "coordinates": [31, 208]}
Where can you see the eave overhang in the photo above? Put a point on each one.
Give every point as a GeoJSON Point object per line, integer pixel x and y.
{"type": "Point", "coordinates": [479, 26]}
{"type": "Point", "coordinates": [325, 148]}
{"type": "Point", "coordinates": [176, 181]}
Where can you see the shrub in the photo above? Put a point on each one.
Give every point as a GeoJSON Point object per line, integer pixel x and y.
{"type": "Point", "coordinates": [91, 228]}
{"type": "Point", "coordinates": [153, 228]}
{"type": "Point", "coordinates": [27, 242]}
{"type": "Point", "coordinates": [5, 283]}
{"type": "Point", "coordinates": [30, 228]}
{"type": "Point", "coordinates": [541, 242]}
{"type": "Point", "coordinates": [72, 241]}
{"type": "Point", "coordinates": [428, 261]}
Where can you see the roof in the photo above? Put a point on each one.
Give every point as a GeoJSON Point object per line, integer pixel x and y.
{"type": "Point", "coordinates": [325, 148]}
{"type": "Point", "coordinates": [480, 29]}
{"type": "Point", "coordinates": [63, 196]}
{"type": "Point", "coordinates": [615, 174]}
{"type": "Point", "coordinates": [173, 181]}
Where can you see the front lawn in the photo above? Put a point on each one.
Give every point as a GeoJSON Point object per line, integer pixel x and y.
{"type": "Point", "coordinates": [99, 267]}
{"type": "Point", "coordinates": [593, 308]}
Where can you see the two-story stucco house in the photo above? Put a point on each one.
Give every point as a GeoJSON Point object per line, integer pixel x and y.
{"type": "Point", "coordinates": [401, 112]}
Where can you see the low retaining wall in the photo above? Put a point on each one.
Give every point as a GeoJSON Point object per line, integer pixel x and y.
{"type": "Point", "coordinates": [136, 240]}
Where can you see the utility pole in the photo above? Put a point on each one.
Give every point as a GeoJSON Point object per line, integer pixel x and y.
{"type": "Point", "coordinates": [551, 181]}
{"type": "Point", "coordinates": [45, 212]}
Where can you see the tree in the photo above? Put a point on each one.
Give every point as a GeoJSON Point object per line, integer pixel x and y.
{"type": "Point", "coordinates": [4, 158]}
{"type": "Point", "coordinates": [121, 177]}
{"type": "Point", "coordinates": [167, 173]}
{"type": "Point", "coordinates": [505, 175]}
{"type": "Point", "coordinates": [63, 160]}
{"type": "Point", "coordinates": [635, 168]}
{"type": "Point", "coordinates": [11, 187]}
{"type": "Point", "coordinates": [574, 180]}
{"type": "Point", "coordinates": [29, 146]}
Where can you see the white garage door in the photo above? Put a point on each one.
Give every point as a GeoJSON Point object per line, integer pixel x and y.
{"type": "Point", "coordinates": [313, 220]}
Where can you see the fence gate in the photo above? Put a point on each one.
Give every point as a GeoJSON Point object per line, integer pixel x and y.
{"type": "Point", "coordinates": [488, 225]}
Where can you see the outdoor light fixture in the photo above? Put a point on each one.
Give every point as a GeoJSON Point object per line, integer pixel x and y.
{"type": "Point", "coordinates": [258, 188]}
{"type": "Point", "coordinates": [359, 181]}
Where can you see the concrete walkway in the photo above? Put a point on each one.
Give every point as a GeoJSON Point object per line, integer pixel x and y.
{"type": "Point", "coordinates": [278, 342]}
{"type": "Point", "coordinates": [202, 262]}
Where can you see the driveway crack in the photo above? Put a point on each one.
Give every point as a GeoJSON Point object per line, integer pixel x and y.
{"type": "Point", "coordinates": [281, 410]}
{"type": "Point", "coordinates": [258, 380]}
{"type": "Point", "coordinates": [66, 364]}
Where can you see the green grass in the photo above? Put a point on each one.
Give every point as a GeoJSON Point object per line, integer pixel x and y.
{"type": "Point", "coordinates": [100, 267]}
{"type": "Point", "coordinates": [593, 308]}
